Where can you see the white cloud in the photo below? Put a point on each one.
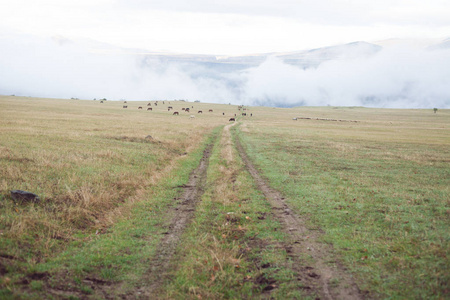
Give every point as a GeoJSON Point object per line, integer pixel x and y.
{"type": "Point", "coordinates": [396, 78]}
{"type": "Point", "coordinates": [399, 77]}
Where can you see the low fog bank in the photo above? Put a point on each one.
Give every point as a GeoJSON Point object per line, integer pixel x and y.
{"type": "Point", "coordinates": [391, 78]}
{"type": "Point", "coordinates": [382, 77]}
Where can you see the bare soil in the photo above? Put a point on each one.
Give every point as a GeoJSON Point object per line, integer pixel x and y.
{"type": "Point", "coordinates": [322, 275]}
{"type": "Point", "coordinates": [160, 265]}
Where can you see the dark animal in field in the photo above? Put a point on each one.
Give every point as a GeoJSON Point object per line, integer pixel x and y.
{"type": "Point", "coordinates": [210, 110]}
{"type": "Point", "coordinates": [140, 107]}
{"type": "Point", "coordinates": [183, 108]}
{"type": "Point", "coordinates": [232, 119]}
{"type": "Point", "coordinates": [175, 113]}
{"type": "Point", "coordinates": [244, 114]}
{"type": "Point", "coordinates": [149, 108]}
{"type": "Point", "coordinates": [101, 101]}
{"type": "Point", "coordinates": [223, 114]}
{"type": "Point", "coordinates": [124, 101]}
{"type": "Point", "coordinates": [200, 112]}
{"type": "Point", "coordinates": [156, 103]}
{"type": "Point", "coordinates": [187, 109]}
{"type": "Point", "coordinates": [149, 104]}
{"type": "Point", "coordinates": [125, 106]}
{"type": "Point", "coordinates": [170, 107]}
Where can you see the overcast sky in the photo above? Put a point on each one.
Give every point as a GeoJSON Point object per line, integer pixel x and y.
{"type": "Point", "coordinates": [227, 27]}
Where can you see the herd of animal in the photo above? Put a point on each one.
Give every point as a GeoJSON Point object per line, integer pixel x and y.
{"type": "Point", "coordinates": [185, 109]}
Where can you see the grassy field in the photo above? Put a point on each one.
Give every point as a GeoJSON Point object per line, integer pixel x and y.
{"type": "Point", "coordinates": [379, 188]}
{"type": "Point", "coordinates": [91, 163]}
{"type": "Point", "coordinates": [375, 182]}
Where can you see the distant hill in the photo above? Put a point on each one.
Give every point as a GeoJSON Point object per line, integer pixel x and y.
{"type": "Point", "coordinates": [358, 73]}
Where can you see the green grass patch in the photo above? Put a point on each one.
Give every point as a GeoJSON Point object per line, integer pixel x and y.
{"type": "Point", "coordinates": [382, 200]}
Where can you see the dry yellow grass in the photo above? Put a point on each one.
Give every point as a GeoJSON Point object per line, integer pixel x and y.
{"type": "Point", "coordinates": [88, 161]}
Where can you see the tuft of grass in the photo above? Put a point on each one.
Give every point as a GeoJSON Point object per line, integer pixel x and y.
{"type": "Point", "coordinates": [36, 285]}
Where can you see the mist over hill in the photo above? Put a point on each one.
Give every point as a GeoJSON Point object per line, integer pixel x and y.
{"type": "Point", "coordinates": [354, 74]}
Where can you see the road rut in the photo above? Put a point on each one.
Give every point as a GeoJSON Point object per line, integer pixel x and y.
{"type": "Point", "coordinates": [330, 281]}
{"type": "Point", "coordinates": [182, 215]}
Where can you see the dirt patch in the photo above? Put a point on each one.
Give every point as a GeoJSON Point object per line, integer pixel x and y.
{"type": "Point", "coordinates": [160, 266]}
{"type": "Point", "coordinates": [38, 276]}
{"type": "Point", "coordinates": [7, 256]}
{"type": "Point", "coordinates": [3, 269]}
{"type": "Point", "coordinates": [324, 275]}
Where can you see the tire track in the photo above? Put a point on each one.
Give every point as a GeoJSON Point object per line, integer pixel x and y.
{"type": "Point", "coordinates": [160, 265]}
{"type": "Point", "coordinates": [330, 281]}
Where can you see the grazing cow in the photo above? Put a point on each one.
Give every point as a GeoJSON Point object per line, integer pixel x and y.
{"type": "Point", "coordinates": [210, 110]}
{"type": "Point", "coordinates": [251, 115]}
{"type": "Point", "coordinates": [191, 117]}
{"type": "Point", "coordinates": [223, 114]}
{"type": "Point", "coordinates": [156, 103]}
{"type": "Point", "coordinates": [140, 107]}
{"type": "Point", "coordinates": [244, 114]}
{"type": "Point", "coordinates": [124, 101]}
{"type": "Point", "coordinates": [170, 107]}
{"type": "Point", "coordinates": [125, 106]}
{"type": "Point", "coordinates": [149, 104]}
{"type": "Point", "coordinates": [232, 119]}
{"type": "Point", "coordinates": [187, 109]}
{"type": "Point", "coordinates": [183, 108]}
{"type": "Point", "coordinates": [200, 112]}
{"type": "Point", "coordinates": [149, 108]}
{"type": "Point", "coordinates": [175, 113]}
{"type": "Point", "coordinates": [101, 101]}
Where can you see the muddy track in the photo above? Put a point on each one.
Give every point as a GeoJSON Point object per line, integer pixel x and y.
{"type": "Point", "coordinates": [321, 275]}
{"type": "Point", "coordinates": [182, 215]}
